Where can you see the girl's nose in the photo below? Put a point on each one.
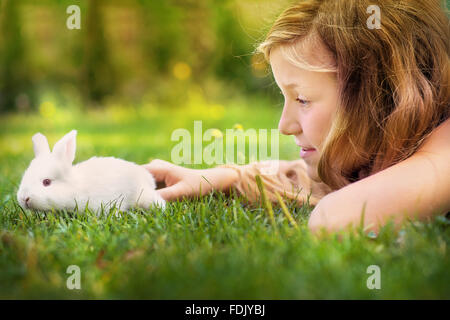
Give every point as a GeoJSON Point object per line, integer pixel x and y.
{"type": "Point", "coordinates": [289, 124]}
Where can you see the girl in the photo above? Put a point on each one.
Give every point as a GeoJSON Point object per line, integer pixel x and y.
{"type": "Point", "coordinates": [369, 108]}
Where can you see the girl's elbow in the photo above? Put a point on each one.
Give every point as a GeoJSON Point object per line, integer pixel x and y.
{"type": "Point", "coordinates": [331, 216]}
{"type": "Point", "coordinates": [318, 220]}
{"type": "Point", "coordinates": [315, 224]}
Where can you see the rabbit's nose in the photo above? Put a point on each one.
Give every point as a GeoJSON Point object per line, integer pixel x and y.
{"type": "Point", "coordinates": [26, 201]}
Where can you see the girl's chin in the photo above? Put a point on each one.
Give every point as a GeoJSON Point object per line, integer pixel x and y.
{"type": "Point", "coordinates": [311, 166]}
{"type": "Point", "coordinates": [311, 170]}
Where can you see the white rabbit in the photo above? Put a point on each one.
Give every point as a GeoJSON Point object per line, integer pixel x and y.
{"type": "Point", "coordinates": [51, 181]}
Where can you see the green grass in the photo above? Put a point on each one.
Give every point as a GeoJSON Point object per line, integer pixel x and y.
{"type": "Point", "coordinates": [215, 247]}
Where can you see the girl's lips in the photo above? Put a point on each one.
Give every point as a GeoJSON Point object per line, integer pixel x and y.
{"type": "Point", "coordinates": [306, 152]}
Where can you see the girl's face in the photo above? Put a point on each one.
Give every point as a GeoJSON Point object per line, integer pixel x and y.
{"type": "Point", "coordinates": [310, 102]}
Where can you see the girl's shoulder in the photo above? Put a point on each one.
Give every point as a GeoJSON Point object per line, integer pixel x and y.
{"type": "Point", "coordinates": [438, 142]}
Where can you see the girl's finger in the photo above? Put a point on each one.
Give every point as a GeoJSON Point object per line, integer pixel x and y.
{"type": "Point", "coordinates": [159, 169]}
{"type": "Point", "coordinates": [173, 192]}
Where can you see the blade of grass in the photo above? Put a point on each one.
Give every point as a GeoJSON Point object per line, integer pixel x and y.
{"type": "Point", "coordinates": [286, 211]}
{"type": "Point", "coordinates": [265, 200]}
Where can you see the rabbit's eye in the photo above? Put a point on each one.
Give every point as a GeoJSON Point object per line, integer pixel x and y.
{"type": "Point", "coordinates": [46, 182]}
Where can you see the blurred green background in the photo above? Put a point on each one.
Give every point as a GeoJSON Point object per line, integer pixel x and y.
{"type": "Point", "coordinates": [132, 51]}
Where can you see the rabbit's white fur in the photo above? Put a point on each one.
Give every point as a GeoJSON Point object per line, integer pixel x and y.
{"type": "Point", "coordinates": [95, 183]}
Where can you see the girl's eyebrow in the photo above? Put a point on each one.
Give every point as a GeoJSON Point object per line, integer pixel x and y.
{"type": "Point", "coordinates": [295, 85]}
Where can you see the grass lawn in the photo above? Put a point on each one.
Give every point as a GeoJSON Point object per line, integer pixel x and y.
{"type": "Point", "coordinates": [216, 247]}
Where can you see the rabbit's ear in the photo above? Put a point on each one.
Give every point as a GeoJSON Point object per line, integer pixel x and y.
{"type": "Point", "coordinates": [40, 145]}
{"type": "Point", "coordinates": [66, 146]}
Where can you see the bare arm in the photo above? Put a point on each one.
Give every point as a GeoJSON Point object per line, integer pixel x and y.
{"type": "Point", "coordinates": [416, 187]}
{"type": "Point", "coordinates": [288, 178]}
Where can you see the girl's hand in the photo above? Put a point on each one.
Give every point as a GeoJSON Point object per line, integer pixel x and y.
{"type": "Point", "coordinates": [180, 181]}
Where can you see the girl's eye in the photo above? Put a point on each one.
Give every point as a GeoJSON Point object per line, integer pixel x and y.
{"type": "Point", "coordinates": [301, 101]}
{"type": "Point", "coordinates": [46, 182]}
